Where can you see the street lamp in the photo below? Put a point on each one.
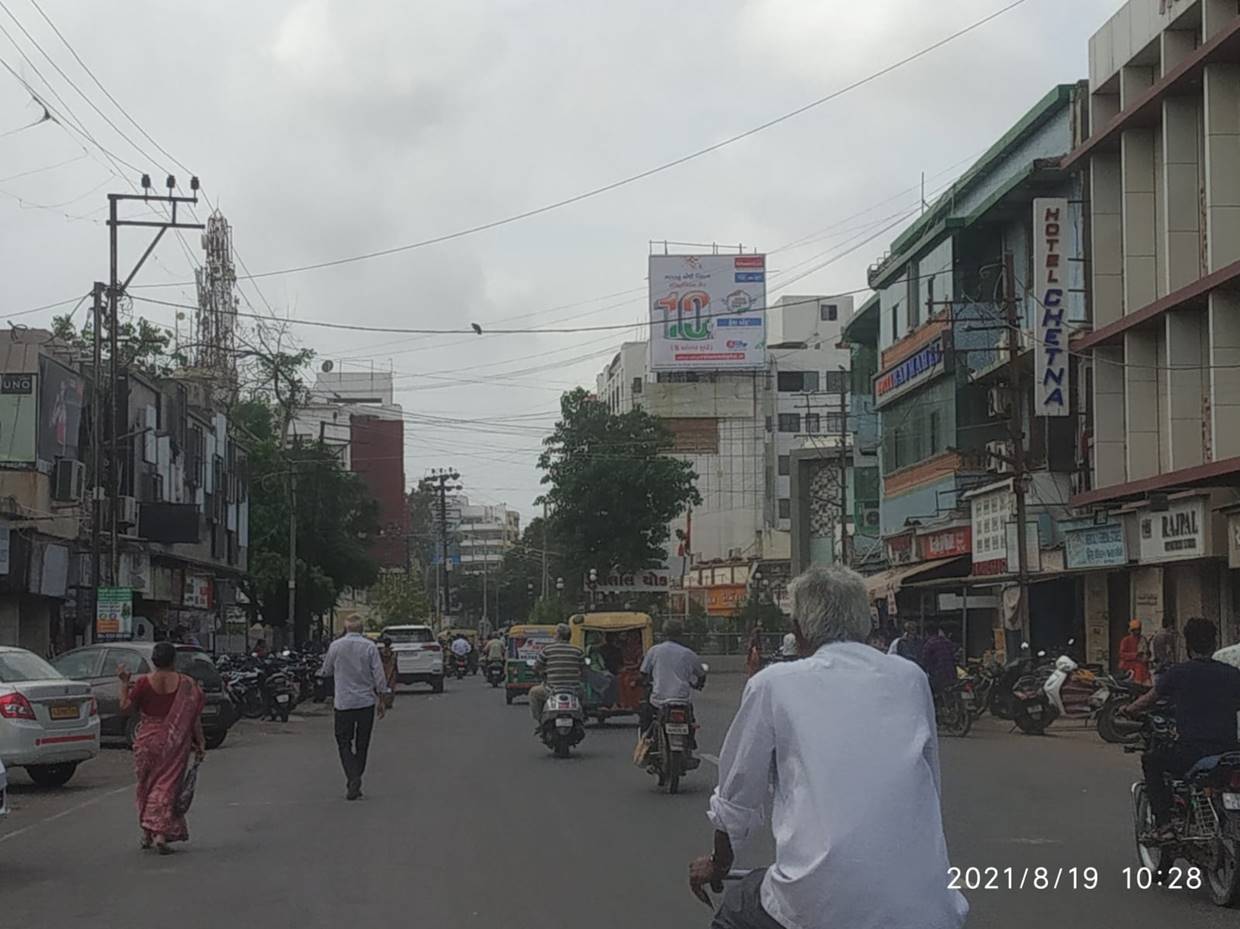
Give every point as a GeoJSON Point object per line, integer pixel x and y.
{"type": "Point", "coordinates": [593, 585]}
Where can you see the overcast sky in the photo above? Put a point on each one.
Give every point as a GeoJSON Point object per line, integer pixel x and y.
{"type": "Point", "coordinates": [327, 129]}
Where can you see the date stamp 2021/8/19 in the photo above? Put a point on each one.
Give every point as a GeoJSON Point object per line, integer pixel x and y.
{"type": "Point", "coordinates": [1071, 877]}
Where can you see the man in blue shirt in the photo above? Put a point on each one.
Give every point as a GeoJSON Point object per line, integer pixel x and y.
{"type": "Point", "coordinates": [354, 663]}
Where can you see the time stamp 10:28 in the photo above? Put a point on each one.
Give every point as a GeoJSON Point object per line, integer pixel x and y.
{"type": "Point", "coordinates": [1071, 878]}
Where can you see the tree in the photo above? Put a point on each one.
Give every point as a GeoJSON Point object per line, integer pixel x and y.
{"type": "Point", "coordinates": [337, 519]}
{"type": "Point", "coordinates": [521, 575]}
{"type": "Point", "coordinates": [142, 344]}
{"type": "Point", "coordinates": [400, 597]}
{"type": "Point", "coordinates": [612, 489]}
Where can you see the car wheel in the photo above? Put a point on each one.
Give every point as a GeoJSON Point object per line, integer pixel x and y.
{"type": "Point", "coordinates": [131, 730]}
{"type": "Point", "coordinates": [51, 775]}
{"type": "Point", "coordinates": [437, 684]}
{"type": "Point", "coordinates": [216, 739]}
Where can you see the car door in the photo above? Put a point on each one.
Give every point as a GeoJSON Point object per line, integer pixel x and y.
{"type": "Point", "coordinates": [86, 664]}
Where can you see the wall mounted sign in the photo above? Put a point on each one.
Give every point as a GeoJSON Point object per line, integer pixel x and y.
{"type": "Point", "coordinates": [925, 364]}
{"type": "Point", "coordinates": [1050, 272]}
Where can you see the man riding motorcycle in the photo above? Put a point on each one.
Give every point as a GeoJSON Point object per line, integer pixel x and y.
{"type": "Point", "coordinates": [561, 666]}
{"type": "Point", "coordinates": [673, 671]}
{"type": "Point", "coordinates": [493, 652]}
{"type": "Point", "coordinates": [1206, 697]}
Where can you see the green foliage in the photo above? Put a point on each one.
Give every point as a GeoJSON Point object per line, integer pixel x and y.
{"type": "Point", "coordinates": [521, 575]}
{"type": "Point", "coordinates": [142, 344]}
{"type": "Point", "coordinates": [611, 487]}
{"type": "Point", "coordinates": [756, 612]}
{"type": "Point", "coordinates": [549, 611]}
{"type": "Point", "coordinates": [400, 598]}
{"type": "Point", "coordinates": [336, 521]}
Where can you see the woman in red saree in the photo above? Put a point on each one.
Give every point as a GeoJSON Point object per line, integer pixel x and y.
{"type": "Point", "coordinates": [170, 705]}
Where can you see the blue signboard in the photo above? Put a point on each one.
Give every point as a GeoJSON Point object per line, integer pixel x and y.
{"type": "Point", "coordinates": [923, 365]}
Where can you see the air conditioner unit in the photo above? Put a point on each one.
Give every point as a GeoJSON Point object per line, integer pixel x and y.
{"type": "Point", "coordinates": [68, 480]}
{"type": "Point", "coordinates": [127, 511]}
{"type": "Point", "coordinates": [998, 402]}
{"type": "Point", "coordinates": [871, 519]}
{"type": "Point", "coordinates": [999, 457]}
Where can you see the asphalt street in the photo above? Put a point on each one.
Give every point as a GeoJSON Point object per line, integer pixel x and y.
{"type": "Point", "coordinates": [469, 821]}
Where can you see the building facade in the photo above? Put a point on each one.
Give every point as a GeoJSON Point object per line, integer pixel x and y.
{"type": "Point", "coordinates": [484, 534]}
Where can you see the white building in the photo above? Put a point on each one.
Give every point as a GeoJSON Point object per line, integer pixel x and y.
{"type": "Point", "coordinates": [484, 534]}
{"type": "Point", "coordinates": [335, 398]}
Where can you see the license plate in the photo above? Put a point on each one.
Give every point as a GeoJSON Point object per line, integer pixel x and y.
{"type": "Point", "coordinates": [281, 698]}
{"type": "Point", "coordinates": [677, 728]}
{"type": "Point", "coordinates": [563, 723]}
{"type": "Point", "coordinates": [1231, 801]}
{"type": "Point", "coordinates": [210, 710]}
{"type": "Point", "coordinates": [64, 711]}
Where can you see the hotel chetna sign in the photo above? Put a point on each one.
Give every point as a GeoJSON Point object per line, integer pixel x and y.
{"type": "Point", "coordinates": [925, 364]}
{"type": "Point", "coordinates": [1176, 533]}
{"type": "Point", "coordinates": [1050, 290]}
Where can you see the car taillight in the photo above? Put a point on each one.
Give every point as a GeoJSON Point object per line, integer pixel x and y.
{"type": "Point", "coordinates": [432, 648]}
{"type": "Point", "coordinates": [676, 716]}
{"type": "Point", "coordinates": [1235, 779]}
{"type": "Point", "coordinates": [15, 706]}
{"type": "Point", "coordinates": [94, 707]}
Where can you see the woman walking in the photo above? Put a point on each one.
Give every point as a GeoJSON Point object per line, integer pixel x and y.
{"type": "Point", "coordinates": [170, 726]}
{"type": "Point", "coordinates": [753, 653]}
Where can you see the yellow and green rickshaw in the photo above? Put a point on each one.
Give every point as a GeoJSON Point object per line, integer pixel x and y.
{"type": "Point", "coordinates": [523, 645]}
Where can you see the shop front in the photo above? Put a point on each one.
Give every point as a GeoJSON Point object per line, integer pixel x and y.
{"type": "Point", "coordinates": [1101, 552]}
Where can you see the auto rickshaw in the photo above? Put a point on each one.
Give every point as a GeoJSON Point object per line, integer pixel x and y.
{"type": "Point", "coordinates": [523, 645]}
{"type": "Point", "coordinates": [471, 636]}
{"type": "Point", "coordinates": [614, 643]}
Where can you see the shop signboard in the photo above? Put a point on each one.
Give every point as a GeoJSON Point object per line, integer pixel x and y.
{"type": "Point", "coordinates": [1050, 293]}
{"type": "Point", "coordinates": [990, 512]}
{"type": "Point", "coordinates": [924, 365]}
{"type": "Point", "coordinates": [18, 418]}
{"type": "Point", "coordinates": [724, 600]}
{"type": "Point", "coordinates": [707, 312]}
{"type": "Point", "coordinates": [114, 613]}
{"type": "Point", "coordinates": [654, 580]}
{"type": "Point", "coordinates": [196, 594]}
{"type": "Point", "coordinates": [945, 543]}
{"type": "Point", "coordinates": [900, 549]}
{"type": "Point", "coordinates": [1174, 534]}
{"type": "Point", "coordinates": [1033, 547]}
{"type": "Point", "coordinates": [1096, 547]}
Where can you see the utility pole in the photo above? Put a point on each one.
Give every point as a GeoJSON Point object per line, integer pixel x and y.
{"type": "Point", "coordinates": [1017, 430]}
{"type": "Point", "coordinates": [116, 289]}
{"type": "Point", "coordinates": [292, 549]}
{"type": "Point", "coordinates": [845, 455]}
{"type": "Point", "coordinates": [96, 455]}
{"type": "Point", "coordinates": [544, 551]}
{"type": "Point", "coordinates": [440, 479]}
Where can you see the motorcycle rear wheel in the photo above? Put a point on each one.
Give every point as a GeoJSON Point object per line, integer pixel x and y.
{"type": "Point", "coordinates": [561, 747]}
{"type": "Point", "coordinates": [1224, 879]}
{"type": "Point", "coordinates": [252, 706]}
{"type": "Point", "coordinates": [1150, 856]}
{"type": "Point", "coordinates": [1029, 724]}
{"type": "Point", "coordinates": [957, 720]}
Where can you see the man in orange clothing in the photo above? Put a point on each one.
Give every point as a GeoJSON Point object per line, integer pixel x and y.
{"type": "Point", "coordinates": [1133, 656]}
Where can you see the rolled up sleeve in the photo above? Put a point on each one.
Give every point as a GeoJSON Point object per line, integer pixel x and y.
{"type": "Point", "coordinates": [738, 804]}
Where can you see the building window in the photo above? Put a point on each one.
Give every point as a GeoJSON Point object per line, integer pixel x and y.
{"type": "Point", "coordinates": [785, 508]}
{"type": "Point", "coordinates": [789, 422]}
{"type": "Point", "coordinates": [637, 385]}
{"type": "Point", "coordinates": [828, 312]}
{"type": "Point", "coordinates": [836, 382]}
{"type": "Point", "coordinates": [935, 436]}
{"type": "Point", "coordinates": [813, 423]}
{"type": "Point", "coordinates": [895, 322]}
{"type": "Point", "coordinates": [795, 382]}
{"type": "Point", "coordinates": [785, 465]}
{"type": "Point", "coordinates": [835, 423]}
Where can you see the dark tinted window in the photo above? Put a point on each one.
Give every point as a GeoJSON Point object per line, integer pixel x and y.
{"type": "Point", "coordinates": [197, 665]}
{"type": "Point", "coordinates": [79, 665]}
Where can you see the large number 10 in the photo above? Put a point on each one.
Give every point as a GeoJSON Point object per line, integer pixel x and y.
{"type": "Point", "coordinates": [691, 305]}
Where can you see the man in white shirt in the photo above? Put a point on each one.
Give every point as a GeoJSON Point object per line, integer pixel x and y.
{"type": "Point", "coordinates": [673, 669]}
{"type": "Point", "coordinates": [846, 741]}
{"type": "Point", "coordinates": [353, 662]}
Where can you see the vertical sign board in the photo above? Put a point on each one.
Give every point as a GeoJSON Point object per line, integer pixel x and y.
{"type": "Point", "coordinates": [1050, 307]}
{"type": "Point", "coordinates": [114, 614]}
{"type": "Point", "coordinates": [707, 312]}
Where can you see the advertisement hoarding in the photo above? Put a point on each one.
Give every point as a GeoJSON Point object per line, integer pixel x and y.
{"type": "Point", "coordinates": [61, 396]}
{"type": "Point", "coordinates": [707, 312]}
{"type": "Point", "coordinates": [18, 418]}
{"type": "Point", "coordinates": [114, 613]}
{"type": "Point", "coordinates": [1050, 293]}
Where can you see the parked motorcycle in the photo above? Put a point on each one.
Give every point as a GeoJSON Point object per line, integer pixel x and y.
{"type": "Point", "coordinates": [673, 740]}
{"type": "Point", "coordinates": [280, 693]}
{"type": "Point", "coordinates": [563, 722]}
{"type": "Point", "coordinates": [1067, 691]}
{"type": "Point", "coordinates": [1205, 815]}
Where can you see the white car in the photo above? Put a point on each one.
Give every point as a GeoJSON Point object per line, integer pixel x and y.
{"type": "Point", "coordinates": [419, 658]}
{"type": "Point", "coordinates": [48, 723]}
{"type": "Point", "coordinates": [1230, 655]}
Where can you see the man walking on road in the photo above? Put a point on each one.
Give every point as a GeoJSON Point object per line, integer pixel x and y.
{"type": "Point", "coordinates": [353, 661]}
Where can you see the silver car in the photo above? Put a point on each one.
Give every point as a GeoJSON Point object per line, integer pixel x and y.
{"type": "Point", "coordinates": [48, 723]}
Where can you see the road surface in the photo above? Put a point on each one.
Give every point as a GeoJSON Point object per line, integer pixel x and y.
{"type": "Point", "coordinates": [469, 821]}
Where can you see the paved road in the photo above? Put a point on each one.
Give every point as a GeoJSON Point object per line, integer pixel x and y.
{"type": "Point", "coordinates": [468, 821]}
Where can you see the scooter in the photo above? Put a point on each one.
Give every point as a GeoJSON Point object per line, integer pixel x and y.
{"type": "Point", "coordinates": [563, 722]}
{"type": "Point", "coordinates": [495, 673]}
{"type": "Point", "coordinates": [460, 665]}
{"type": "Point", "coordinates": [1068, 690]}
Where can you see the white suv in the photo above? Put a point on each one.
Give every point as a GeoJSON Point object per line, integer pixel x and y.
{"type": "Point", "coordinates": [419, 658]}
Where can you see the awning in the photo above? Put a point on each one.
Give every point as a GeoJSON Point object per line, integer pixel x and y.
{"type": "Point", "coordinates": [884, 584]}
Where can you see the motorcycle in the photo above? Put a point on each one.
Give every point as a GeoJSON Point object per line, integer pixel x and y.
{"type": "Point", "coordinates": [495, 673]}
{"type": "Point", "coordinates": [563, 722]}
{"type": "Point", "coordinates": [1112, 726]}
{"type": "Point", "coordinates": [952, 713]}
{"type": "Point", "coordinates": [280, 694]}
{"type": "Point", "coordinates": [460, 665]}
{"type": "Point", "coordinates": [673, 739]}
{"type": "Point", "coordinates": [1205, 816]}
{"type": "Point", "coordinates": [1001, 700]}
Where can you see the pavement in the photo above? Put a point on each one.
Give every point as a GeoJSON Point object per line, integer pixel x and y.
{"type": "Point", "coordinates": [469, 821]}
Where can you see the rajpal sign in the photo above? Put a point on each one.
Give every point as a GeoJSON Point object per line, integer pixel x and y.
{"type": "Point", "coordinates": [1175, 534]}
{"type": "Point", "coordinates": [1050, 294]}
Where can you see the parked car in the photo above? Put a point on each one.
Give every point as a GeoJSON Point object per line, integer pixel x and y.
{"type": "Point", "coordinates": [98, 664]}
{"type": "Point", "coordinates": [48, 723]}
{"type": "Point", "coordinates": [419, 658]}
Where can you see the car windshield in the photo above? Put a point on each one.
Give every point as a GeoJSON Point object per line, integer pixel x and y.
{"type": "Point", "coordinates": [405, 636]}
{"type": "Point", "coordinates": [198, 665]}
{"type": "Point", "coordinates": [25, 666]}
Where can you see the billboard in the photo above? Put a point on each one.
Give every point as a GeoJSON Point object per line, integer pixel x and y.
{"type": "Point", "coordinates": [707, 312]}
{"type": "Point", "coordinates": [18, 418]}
{"type": "Point", "coordinates": [61, 397]}
{"type": "Point", "coordinates": [1050, 290]}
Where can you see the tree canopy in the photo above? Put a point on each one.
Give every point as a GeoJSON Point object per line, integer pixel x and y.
{"type": "Point", "coordinates": [612, 488]}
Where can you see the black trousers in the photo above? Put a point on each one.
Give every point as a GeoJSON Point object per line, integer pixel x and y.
{"type": "Point", "coordinates": [741, 906]}
{"type": "Point", "coordinates": [353, 729]}
{"type": "Point", "coordinates": [1173, 760]}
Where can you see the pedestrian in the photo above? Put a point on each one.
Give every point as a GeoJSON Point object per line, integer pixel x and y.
{"type": "Point", "coordinates": [842, 748]}
{"type": "Point", "coordinates": [753, 653]}
{"type": "Point", "coordinates": [938, 659]}
{"type": "Point", "coordinates": [1164, 648]}
{"type": "Point", "coordinates": [169, 728]}
{"type": "Point", "coordinates": [907, 645]}
{"type": "Point", "coordinates": [353, 662]}
{"type": "Point", "coordinates": [1133, 656]}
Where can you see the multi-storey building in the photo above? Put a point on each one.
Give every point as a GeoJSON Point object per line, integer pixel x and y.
{"type": "Point", "coordinates": [484, 534]}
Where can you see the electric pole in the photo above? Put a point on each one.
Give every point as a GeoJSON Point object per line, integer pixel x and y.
{"type": "Point", "coordinates": [440, 480]}
{"type": "Point", "coordinates": [1017, 431]}
{"type": "Point", "coordinates": [845, 455]}
{"type": "Point", "coordinates": [96, 454]}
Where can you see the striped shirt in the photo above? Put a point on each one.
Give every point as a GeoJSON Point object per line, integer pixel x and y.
{"type": "Point", "coordinates": [562, 665]}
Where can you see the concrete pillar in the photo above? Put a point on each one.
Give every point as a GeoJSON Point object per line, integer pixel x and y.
{"type": "Point", "coordinates": [1222, 163]}
{"type": "Point", "coordinates": [1139, 219]}
{"type": "Point", "coordinates": [1182, 253]}
{"type": "Point", "coordinates": [1224, 355]}
{"type": "Point", "coordinates": [1147, 597]}
{"type": "Point", "coordinates": [1097, 620]}
{"type": "Point", "coordinates": [1141, 403]}
{"type": "Point", "coordinates": [1110, 457]}
{"type": "Point", "coordinates": [1185, 377]}
{"type": "Point", "coordinates": [1102, 109]}
{"type": "Point", "coordinates": [1177, 44]}
{"type": "Point", "coordinates": [1106, 239]}
{"type": "Point", "coordinates": [1134, 80]}
{"type": "Point", "coordinates": [1216, 14]}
